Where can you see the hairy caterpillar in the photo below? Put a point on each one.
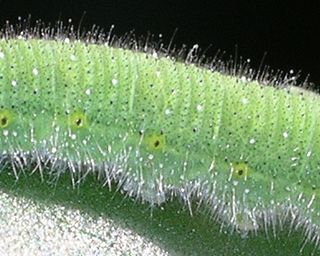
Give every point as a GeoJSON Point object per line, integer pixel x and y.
{"type": "Point", "coordinates": [161, 128]}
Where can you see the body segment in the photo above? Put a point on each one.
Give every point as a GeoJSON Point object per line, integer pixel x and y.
{"type": "Point", "coordinates": [159, 128]}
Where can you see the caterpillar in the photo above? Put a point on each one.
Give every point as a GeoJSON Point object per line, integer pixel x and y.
{"type": "Point", "coordinates": [161, 128]}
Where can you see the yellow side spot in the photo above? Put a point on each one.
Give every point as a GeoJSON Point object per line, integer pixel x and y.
{"type": "Point", "coordinates": [78, 120]}
{"type": "Point", "coordinates": [6, 118]}
{"type": "Point", "coordinates": [155, 142]}
{"type": "Point", "coordinates": [240, 170]}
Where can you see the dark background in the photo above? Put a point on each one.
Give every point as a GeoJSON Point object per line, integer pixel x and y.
{"type": "Point", "coordinates": [287, 31]}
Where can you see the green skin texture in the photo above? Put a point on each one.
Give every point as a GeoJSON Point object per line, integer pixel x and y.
{"type": "Point", "coordinates": [254, 149]}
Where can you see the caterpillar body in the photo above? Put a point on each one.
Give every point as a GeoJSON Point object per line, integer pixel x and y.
{"type": "Point", "coordinates": [161, 128]}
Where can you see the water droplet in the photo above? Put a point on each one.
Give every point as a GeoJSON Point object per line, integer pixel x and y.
{"type": "Point", "coordinates": [244, 101]}
{"type": "Point", "coordinates": [88, 91]}
{"type": "Point", "coordinates": [199, 107]}
{"type": "Point", "coordinates": [243, 79]}
{"type": "Point", "coordinates": [252, 141]}
{"type": "Point", "coordinates": [73, 57]}
{"type": "Point", "coordinates": [114, 81]}
{"type": "Point", "coordinates": [155, 54]}
{"type": "Point", "coordinates": [35, 71]}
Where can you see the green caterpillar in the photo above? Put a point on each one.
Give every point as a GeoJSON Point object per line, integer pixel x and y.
{"type": "Point", "coordinates": [161, 128]}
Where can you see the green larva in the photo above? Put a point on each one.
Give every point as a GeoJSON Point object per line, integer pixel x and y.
{"type": "Point", "coordinates": [160, 128]}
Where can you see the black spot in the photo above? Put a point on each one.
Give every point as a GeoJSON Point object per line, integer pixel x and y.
{"type": "Point", "coordinates": [4, 121]}
{"type": "Point", "coordinates": [240, 172]}
{"type": "Point", "coordinates": [78, 122]}
{"type": "Point", "coordinates": [156, 143]}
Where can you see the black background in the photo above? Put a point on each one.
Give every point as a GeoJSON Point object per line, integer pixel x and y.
{"type": "Point", "coordinates": [287, 31]}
